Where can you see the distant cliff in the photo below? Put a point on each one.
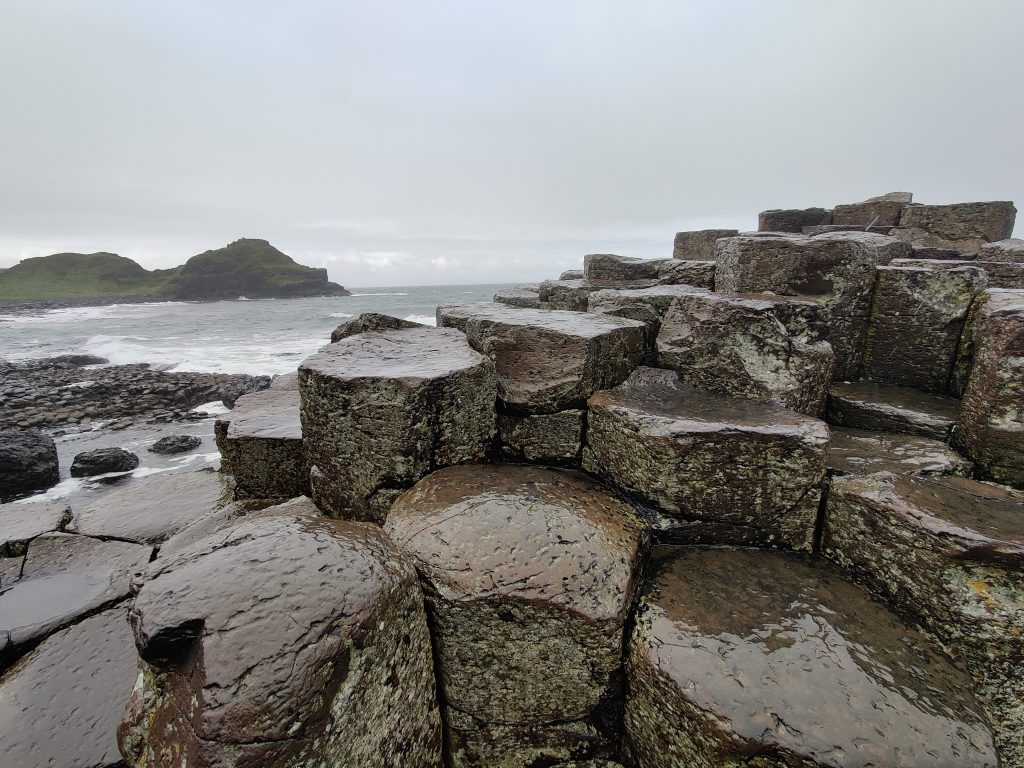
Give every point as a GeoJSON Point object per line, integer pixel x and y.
{"type": "Point", "coordinates": [247, 267]}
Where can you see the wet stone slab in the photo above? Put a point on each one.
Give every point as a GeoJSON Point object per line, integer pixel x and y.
{"type": "Point", "coordinates": [370, 321]}
{"type": "Point", "coordinates": [999, 274]}
{"type": "Point", "coordinates": [65, 577]}
{"type": "Point", "coordinates": [20, 523]}
{"type": "Point", "coordinates": [789, 665]}
{"type": "Point", "coordinates": [884, 408]}
{"type": "Point", "coordinates": [916, 323]}
{"type": "Point", "coordinates": [154, 508]}
{"type": "Point", "coordinates": [699, 273]}
{"type": "Point", "coordinates": [263, 446]}
{"type": "Point", "coordinates": [62, 702]}
{"type": "Point", "coordinates": [963, 226]}
{"type": "Point", "coordinates": [716, 469]}
{"type": "Point", "coordinates": [609, 266]}
{"type": "Point", "coordinates": [990, 428]}
{"type": "Point", "coordinates": [526, 295]}
{"type": "Point", "coordinates": [948, 551]}
{"type": "Point", "coordinates": [740, 346]}
{"type": "Point", "coordinates": [529, 573]}
{"type": "Point", "coordinates": [382, 409]}
{"type": "Point", "coordinates": [283, 640]}
{"type": "Point", "coordinates": [699, 244]}
{"type": "Point", "coordinates": [858, 451]}
{"type": "Point", "coordinates": [548, 360]}
{"type": "Point", "coordinates": [573, 295]}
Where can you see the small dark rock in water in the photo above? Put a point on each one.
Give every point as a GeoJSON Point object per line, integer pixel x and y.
{"type": "Point", "coordinates": [175, 444]}
{"type": "Point", "coordinates": [76, 361]}
{"type": "Point", "coordinates": [28, 462]}
{"type": "Point", "coordinates": [243, 386]}
{"type": "Point", "coordinates": [103, 460]}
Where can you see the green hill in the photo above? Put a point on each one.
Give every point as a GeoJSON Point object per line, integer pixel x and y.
{"type": "Point", "coordinates": [247, 267]}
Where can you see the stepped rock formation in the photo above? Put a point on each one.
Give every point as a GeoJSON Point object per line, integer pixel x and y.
{"type": "Point", "coordinates": [462, 578]}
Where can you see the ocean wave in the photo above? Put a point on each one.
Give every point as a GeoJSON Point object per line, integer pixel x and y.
{"type": "Point", "coordinates": [422, 319]}
{"type": "Point", "coordinates": [340, 315]}
{"type": "Point", "coordinates": [397, 293]}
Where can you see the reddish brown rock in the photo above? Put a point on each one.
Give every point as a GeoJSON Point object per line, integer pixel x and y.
{"type": "Point", "coordinates": [370, 321]}
{"type": "Point", "coordinates": [858, 451]}
{"type": "Point", "coordinates": [529, 573]}
{"type": "Point", "coordinates": [747, 658]}
{"type": "Point", "coordinates": [382, 409]}
{"type": "Point", "coordinates": [699, 245]}
{"type": "Point", "coordinates": [948, 551]}
{"type": "Point", "coordinates": [792, 220]}
{"type": "Point", "coordinates": [716, 469]}
{"type": "Point", "coordinates": [883, 408]}
{"type": "Point", "coordinates": [916, 323]}
{"type": "Point", "coordinates": [963, 226]}
{"type": "Point", "coordinates": [991, 424]}
{"type": "Point", "coordinates": [283, 640]}
{"type": "Point", "coordinates": [740, 347]}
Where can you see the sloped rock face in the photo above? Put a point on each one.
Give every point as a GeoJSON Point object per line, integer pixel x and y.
{"type": "Point", "coordinates": [991, 423]}
{"type": "Point", "coordinates": [917, 319]}
{"type": "Point", "coordinates": [28, 463]}
{"type": "Point", "coordinates": [716, 469]}
{"type": "Point", "coordinates": [20, 523]}
{"type": "Point", "coordinates": [963, 226]}
{"type": "Point", "coordinates": [283, 640]}
{"type": "Point", "coordinates": [529, 573]}
{"type": "Point", "coordinates": [699, 244]}
{"type": "Point", "coordinates": [739, 347]}
{"type": "Point", "coordinates": [949, 552]}
{"type": "Point", "coordinates": [877, 407]}
{"type": "Point", "coordinates": [382, 409]}
{"type": "Point", "coordinates": [62, 703]}
{"type": "Point", "coordinates": [792, 219]}
{"type": "Point", "coordinates": [370, 321]}
{"type": "Point", "coordinates": [857, 451]}
{"type": "Point", "coordinates": [787, 665]}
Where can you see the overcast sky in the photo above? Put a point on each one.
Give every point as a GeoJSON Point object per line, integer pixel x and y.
{"type": "Point", "coordinates": [404, 143]}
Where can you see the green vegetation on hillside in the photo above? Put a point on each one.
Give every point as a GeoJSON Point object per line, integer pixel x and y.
{"type": "Point", "coordinates": [247, 267]}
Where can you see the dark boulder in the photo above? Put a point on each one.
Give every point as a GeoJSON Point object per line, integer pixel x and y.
{"type": "Point", "coordinates": [243, 385]}
{"type": "Point", "coordinates": [172, 444]}
{"type": "Point", "coordinates": [103, 460]}
{"type": "Point", "coordinates": [28, 462]}
{"type": "Point", "coordinates": [76, 361]}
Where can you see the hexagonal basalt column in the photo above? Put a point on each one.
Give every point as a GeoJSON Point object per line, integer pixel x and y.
{"type": "Point", "coordinates": [382, 409]}
{"type": "Point", "coordinates": [948, 551]}
{"type": "Point", "coordinates": [991, 424]}
{"type": "Point", "coordinates": [529, 573]}
{"type": "Point", "coordinates": [740, 346]}
{"type": "Point", "coordinates": [716, 469]}
{"type": "Point", "coordinates": [283, 640]}
{"type": "Point", "coordinates": [744, 658]}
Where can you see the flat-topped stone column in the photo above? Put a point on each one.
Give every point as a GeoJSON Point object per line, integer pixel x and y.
{"type": "Point", "coordinates": [382, 409]}
{"type": "Point", "coordinates": [861, 452]}
{"type": "Point", "coordinates": [526, 295]}
{"type": "Point", "coordinates": [991, 424]}
{"type": "Point", "coordinates": [884, 408]}
{"type": "Point", "coordinates": [371, 321]}
{"type": "Point", "coordinates": [916, 321]}
{"type": "Point", "coordinates": [963, 226]}
{"type": "Point", "coordinates": [746, 658]}
{"type": "Point", "coordinates": [284, 639]}
{"type": "Point", "coordinates": [948, 551]}
{"type": "Point", "coordinates": [715, 469]}
{"type": "Point", "coordinates": [740, 346]}
{"type": "Point", "coordinates": [792, 219]}
{"type": "Point", "coordinates": [610, 266]}
{"type": "Point", "coordinates": [529, 574]}
{"type": "Point", "coordinates": [882, 211]}
{"type": "Point", "coordinates": [699, 244]}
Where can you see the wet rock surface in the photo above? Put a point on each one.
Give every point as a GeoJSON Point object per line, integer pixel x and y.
{"type": "Point", "coordinates": [543, 437]}
{"type": "Point", "coordinates": [883, 408]}
{"type": "Point", "coordinates": [881, 211]}
{"type": "Point", "coordinates": [949, 552]}
{"type": "Point", "coordinates": [65, 577]}
{"type": "Point", "coordinates": [687, 272]}
{"type": "Point", "coordinates": [63, 701]}
{"type": "Point", "coordinates": [999, 274]}
{"type": "Point", "coordinates": [370, 321]}
{"type": "Point", "coordinates": [991, 424]}
{"type": "Point", "coordinates": [20, 523]}
{"type": "Point", "coordinates": [285, 639]}
{"type": "Point", "coordinates": [573, 295]}
{"type": "Point", "coordinates": [28, 463]}
{"type": "Point", "coordinates": [103, 460]}
{"type": "Point", "coordinates": [608, 266]}
{"type": "Point", "coordinates": [916, 323]}
{"type": "Point", "coordinates": [738, 346]}
{"type": "Point", "coordinates": [522, 566]}
{"type": "Point", "coordinates": [154, 508]}
{"type": "Point", "coordinates": [716, 469]}
{"type": "Point", "coordinates": [963, 226]}
{"type": "Point", "coordinates": [527, 295]}
{"type": "Point", "coordinates": [1009, 250]}
{"type": "Point", "coordinates": [173, 444]}
{"type": "Point", "coordinates": [858, 451]}
{"type": "Point", "coordinates": [243, 385]}
{"type": "Point", "coordinates": [792, 219]}
{"type": "Point", "coordinates": [548, 361]}
{"type": "Point", "coordinates": [788, 665]}
{"type": "Point", "coordinates": [382, 409]}
{"type": "Point", "coordinates": [699, 245]}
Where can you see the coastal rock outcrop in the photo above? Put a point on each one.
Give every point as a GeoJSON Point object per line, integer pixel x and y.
{"type": "Point", "coordinates": [28, 463]}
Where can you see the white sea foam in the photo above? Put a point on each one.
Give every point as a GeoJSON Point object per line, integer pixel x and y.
{"type": "Point", "coordinates": [397, 293]}
{"type": "Point", "coordinates": [340, 315]}
{"type": "Point", "coordinates": [422, 319]}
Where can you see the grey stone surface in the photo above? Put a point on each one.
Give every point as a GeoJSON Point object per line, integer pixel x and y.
{"type": "Point", "coordinates": [283, 640]}
{"type": "Point", "coordinates": [153, 508]}
{"type": "Point", "coordinates": [370, 321]}
{"type": "Point", "coordinates": [382, 409]}
{"type": "Point", "coordinates": [529, 573]}
{"type": "Point", "coordinates": [756, 659]}
{"type": "Point", "coordinates": [792, 219]}
{"type": "Point", "coordinates": [963, 226]}
{"type": "Point", "coordinates": [526, 295]}
{"type": "Point", "coordinates": [949, 552]}
{"type": "Point", "coordinates": [548, 360]}
{"type": "Point", "coordinates": [22, 522]}
{"type": "Point", "coordinates": [572, 294]}
{"type": "Point", "coordinates": [991, 424]}
{"type": "Point", "coordinates": [885, 408]}
{"type": "Point", "coordinates": [543, 437]}
{"type": "Point", "coordinates": [916, 323]}
{"type": "Point", "coordinates": [687, 272]}
{"type": "Point", "coordinates": [881, 211]}
{"type": "Point", "coordinates": [285, 381]}
{"type": "Point", "coordinates": [715, 469]}
{"type": "Point", "coordinates": [571, 274]}
{"type": "Point", "coordinates": [739, 346]}
{"type": "Point", "coordinates": [609, 266]}
{"type": "Point", "coordinates": [699, 245]}
{"type": "Point", "coordinates": [1000, 274]}
{"type": "Point", "coordinates": [62, 702]}
{"type": "Point", "coordinates": [1009, 250]}
{"type": "Point", "coordinates": [859, 451]}
{"type": "Point", "coordinates": [174, 444]}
